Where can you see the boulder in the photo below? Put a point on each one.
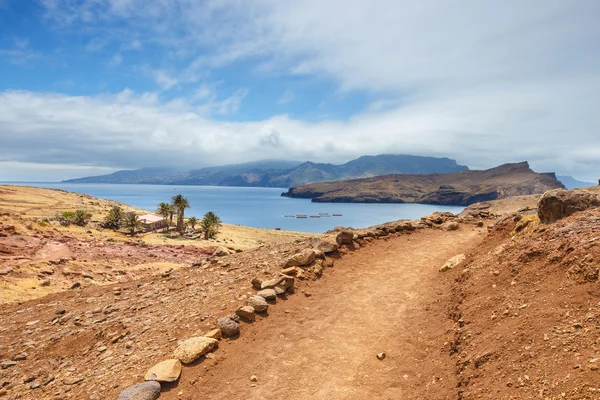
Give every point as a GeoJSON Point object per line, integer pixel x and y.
{"type": "Point", "coordinates": [221, 252]}
{"type": "Point", "coordinates": [267, 294]}
{"type": "Point", "coordinates": [246, 313]}
{"type": "Point", "coordinates": [258, 303]}
{"type": "Point", "coordinates": [326, 245]}
{"type": "Point", "coordinates": [451, 226]}
{"type": "Point", "coordinates": [229, 327]}
{"type": "Point", "coordinates": [164, 371]}
{"type": "Point", "coordinates": [191, 349]}
{"type": "Point", "coordinates": [302, 258]}
{"type": "Point", "coordinates": [453, 262]}
{"type": "Point", "coordinates": [142, 391]}
{"type": "Point", "coordinates": [560, 203]}
{"type": "Point", "coordinates": [344, 237]}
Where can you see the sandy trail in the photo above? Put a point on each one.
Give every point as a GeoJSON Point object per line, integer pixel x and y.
{"type": "Point", "coordinates": [387, 297]}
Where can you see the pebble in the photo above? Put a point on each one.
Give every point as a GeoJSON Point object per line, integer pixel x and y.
{"type": "Point", "coordinates": [381, 356]}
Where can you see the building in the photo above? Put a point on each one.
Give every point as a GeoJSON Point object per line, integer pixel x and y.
{"type": "Point", "coordinates": [152, 222]}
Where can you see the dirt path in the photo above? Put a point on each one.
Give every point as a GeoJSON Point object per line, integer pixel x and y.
{"type": "Point", "coordinates": [322, 344]}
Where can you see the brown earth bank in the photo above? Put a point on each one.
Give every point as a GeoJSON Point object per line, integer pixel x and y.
{"type": "Point", "coordinates": [377, 313]}
{"type": "Point", "coordinates": [460, 188]}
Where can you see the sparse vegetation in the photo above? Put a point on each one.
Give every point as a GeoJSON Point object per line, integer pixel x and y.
{"type": "Point", "coordinates": [210, 224]}
{"type": "Point", "coordinates": [81, 217]}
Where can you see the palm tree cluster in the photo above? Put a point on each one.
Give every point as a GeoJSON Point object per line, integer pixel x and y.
{"type": "Point", "coordinates": [210, 224]}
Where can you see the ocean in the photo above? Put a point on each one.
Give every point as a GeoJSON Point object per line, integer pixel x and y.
{"type": "Point", "coordinates": [256, 207]}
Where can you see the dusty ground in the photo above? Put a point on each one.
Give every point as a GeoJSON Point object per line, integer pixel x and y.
{"type": "Point", "coordinates": [519, 319]}
{"type": "Point", "coordinates": [383, 298]}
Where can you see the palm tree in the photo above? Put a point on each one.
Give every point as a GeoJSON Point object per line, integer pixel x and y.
{"type": "Point", "coordinates": [192, 221]}
{"type": "Point", "coordinates": [180, 203]}
{"type": "Point", "coordinates": [171, 213]}
{"type": "Point", "coordinates": [114, 218]}
{"type": "Point", "coordinates": [210, 224]}
{"type": "Point", "coordinates": [164, 210]}
{"type": "Point", "coordinates": [131, 223]}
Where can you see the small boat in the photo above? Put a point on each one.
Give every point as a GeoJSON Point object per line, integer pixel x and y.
{"type": "Point", "coordinates": [315, 216]}
{"type": "Point", "coordinates": [324, 215]}
{"type": "Point", "coordinates": [337, 215]}
{"type": "Point", "coordinates": [301, 216]}
{"type": "Point", "coordinates": [289, 216]}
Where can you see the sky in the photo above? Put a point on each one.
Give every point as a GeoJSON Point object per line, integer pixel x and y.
{"type": "Point", "coordinates": [92, 86]}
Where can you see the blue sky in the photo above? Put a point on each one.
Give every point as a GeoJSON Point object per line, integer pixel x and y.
{"type": "Point", "coordinates": [92, 86]}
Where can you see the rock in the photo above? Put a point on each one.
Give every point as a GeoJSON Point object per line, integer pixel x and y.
{"type": "Point", "coordinates": [246, 313]}
{"type": "Point", "coordinates": [20, 357]}
{"type": "Point", "coordinates": [253, 378]}
{"type": "Point", "coordinates": [303, 258]}
{"type": "Point", "coordinates": [258, 303]}
{"type": "Point", "coordinates": [149, 390]}
{"type": "Point", "coordinates": [221, 252]}
{"type": "Point", "coordinates": [271, 283]}
{"type": "Point", "coordinates": [381, 356]}
{"type": "Point", "coordinates": [289, 271]}
{"type": "Point", "coordinates": [76, 285]}
{"type": "Point", "coordinates": [328, 263]}
{"type": "Point", "coordinates": [451, 226]}
{"type": "Point", "coordinates": [326, 245]}
{"type": "Point", "coordinates": [267, 294]}
{"type": "Point", "coordinates": [164, 371]}
{"type": "Point", "coordinates": [214, 334]}
{"type": "Point", "coordinates": [229, 327]}
{"type": "Point", "coordinates": [257, 283]}
{"type": "Point", "coordinates": [7, 364]}
{"type": "Point", "coordinates": [344, 237]}
{"type": "Point", "coordinates": [44, 282]}
{"type": "Point", "coordinates": [319, 254]}
{"type": "Point", "coordinates": [559, 203]}
{"type": "Point", "coordinates": [191, 349]}
{"type": "Point", "coordinates": [437, 218]}
{"type": "Point", "coordinates": [453, 262]}
{"type": "Point", "coordinates": [6, 271]}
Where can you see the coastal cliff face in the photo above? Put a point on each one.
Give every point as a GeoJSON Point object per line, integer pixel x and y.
{"type": "Point", "coordinates": [461, 188]}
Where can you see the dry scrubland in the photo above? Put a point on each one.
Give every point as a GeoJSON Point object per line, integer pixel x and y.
{"type": "Point", "coordinates": [45, 257]}
{"type": "Point", "coordinates": [372, 313]}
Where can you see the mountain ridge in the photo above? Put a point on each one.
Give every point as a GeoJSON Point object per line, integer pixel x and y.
{"type": "Point", "coordinates": [281, 173]}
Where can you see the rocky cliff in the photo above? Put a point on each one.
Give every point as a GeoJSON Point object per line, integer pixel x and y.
{"type": "Point", "coordinates": [461, 188]}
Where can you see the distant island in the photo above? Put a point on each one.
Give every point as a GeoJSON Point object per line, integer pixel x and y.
{"type": "Point", "coordinates": [460, 188]}
{"type": "Point", "coordinates": [282, 173]}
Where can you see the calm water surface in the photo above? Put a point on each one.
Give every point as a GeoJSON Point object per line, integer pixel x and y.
{"type": "Point", "coordinates": [257, 207]}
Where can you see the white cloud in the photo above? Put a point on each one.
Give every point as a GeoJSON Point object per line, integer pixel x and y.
{"type": "Point", "coordinates": [484, 81]}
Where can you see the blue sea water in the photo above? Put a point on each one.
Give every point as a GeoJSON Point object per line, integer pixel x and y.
{"type": "Point", "coordinates": [256, 207]}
